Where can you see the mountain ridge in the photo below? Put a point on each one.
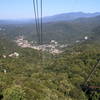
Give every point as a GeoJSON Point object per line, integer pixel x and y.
{"type": "Point", "coordinates": [68, 32]}
{"type": "Point", "coordinates": [69, 16]}
{"type": "Point", "coordinates": [54, 18]}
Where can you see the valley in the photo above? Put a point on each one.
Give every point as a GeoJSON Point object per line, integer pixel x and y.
{"type": "Point", "coordinates": [58, 68]}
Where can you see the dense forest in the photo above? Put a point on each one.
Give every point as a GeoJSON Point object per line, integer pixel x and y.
{"type": "Point", "coordinates": [61, 31]}
{"type": "Point", "coordinates": [57, 77]}
{"type": "Point", "coordinates": [37, 75]}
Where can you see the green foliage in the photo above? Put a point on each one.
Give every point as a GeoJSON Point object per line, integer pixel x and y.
{"type": "Point", "coordinates": [77, 94]}
{"type": "Point", "coordinates": [14, 93]}
{"type": "Point", "coordinates": [94, 95]}
{"type": "Point", "coordinates": [58, 78]}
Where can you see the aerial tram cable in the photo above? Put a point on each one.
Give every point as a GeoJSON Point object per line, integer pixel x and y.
{"type": "Point", "coordinates": [87, 87]}
{"type": "Point", "coordinates": [92, 71]}
{"type": "Point", "coordinates": [38, 20]}
{"type": "Point", "coordinates": [41, 24]}
{"type": "Point", "coordinates": [35, 6]}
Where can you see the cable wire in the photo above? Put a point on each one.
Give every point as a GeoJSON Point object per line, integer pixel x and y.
{"type": "Point", "coordinates": [41, 24]}
{"type": "Point", "coordinates": [36, 21]}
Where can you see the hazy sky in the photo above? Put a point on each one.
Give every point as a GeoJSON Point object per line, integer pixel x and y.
{"type": "Point", "coordinates": [12, 9]}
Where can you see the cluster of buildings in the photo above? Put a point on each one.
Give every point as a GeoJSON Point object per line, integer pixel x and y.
{"type": "Point", "coordinates": [15, 54]}
{"type": "Point", "coordinates": [85, 38]}
{"type": "Point", "coordinates": [12, 55]}
{"type": "Point", "coordinates": [2, 29]}
{"type": "Point", "coordinates": [23, 43]}
{"type": "Point", "coordinates": [52, 47]}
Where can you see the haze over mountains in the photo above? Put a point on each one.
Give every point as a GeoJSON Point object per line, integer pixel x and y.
{"type": "Point", "coordinates": [55, 18]}
{"type": "Point", "coordinates": [69, 16]}
{"type": "Point", "coordinates": [25, 76]}
{"type": "Point", "coordinates": [64, 28]}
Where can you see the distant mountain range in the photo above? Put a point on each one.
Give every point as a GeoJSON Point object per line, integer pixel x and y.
{"type": "Point", "coordinates": [56, 18]}
{"type": "Point", "coordinates": [66, 28]}
{"type": "Point", "coordinates": [71, 30]}
{"type": "Point", "coordinates": [69, 16]}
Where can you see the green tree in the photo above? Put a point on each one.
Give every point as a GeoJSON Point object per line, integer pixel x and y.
{"type": "Point", "coordinates": [14, 93]}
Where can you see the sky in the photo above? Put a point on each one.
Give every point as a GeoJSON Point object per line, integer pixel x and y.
{"type": "Point", "coordinates": [23, 9]}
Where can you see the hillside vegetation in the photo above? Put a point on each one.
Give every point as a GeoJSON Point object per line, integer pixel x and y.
{"type": "Point", "coordinates": [36, 75]}
{"type": "Point", "coordinates": [56, 78]}
{"type": "Point", "coordinates": [61, 31]}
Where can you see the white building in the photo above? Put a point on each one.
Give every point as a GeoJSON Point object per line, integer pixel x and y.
{"type": "Point", "coordinates": [86, 37]}
{"type": "Point", "coordinates": [5, 71]}
{"type": "Point", "coordinates": [15, 54]}
{"type": "Point", "coordinates": [4, 56]}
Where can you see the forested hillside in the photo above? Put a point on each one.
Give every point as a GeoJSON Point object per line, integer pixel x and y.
{"type": "Point", "coordinates": [57, 77]}
{"type": "Point", "coordinates": [61, 31]}
{"type": "Point", "coordinates": [28, 74]}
